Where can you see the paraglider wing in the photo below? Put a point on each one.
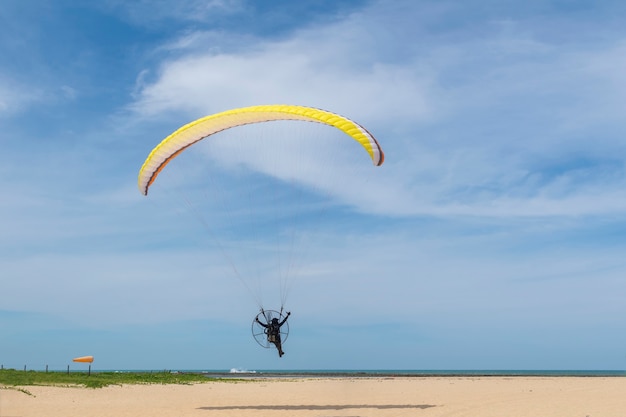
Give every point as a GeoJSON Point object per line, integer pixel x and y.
{"type": "Point", "coordinates": [199, 129]}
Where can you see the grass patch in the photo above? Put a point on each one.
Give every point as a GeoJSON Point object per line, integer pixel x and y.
{"type": "Point", "coordinates": [12, 377]}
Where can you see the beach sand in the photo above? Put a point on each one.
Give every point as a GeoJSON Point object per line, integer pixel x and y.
{"type": "Point", "coordinates": [329, 397]}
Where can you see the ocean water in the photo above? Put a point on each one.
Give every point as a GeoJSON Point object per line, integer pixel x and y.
{"type": "Point", "coordinates": [410, 373]}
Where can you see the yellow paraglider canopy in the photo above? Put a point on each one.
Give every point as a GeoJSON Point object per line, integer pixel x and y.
{"type": "Point", "coordinates": [199, 129]}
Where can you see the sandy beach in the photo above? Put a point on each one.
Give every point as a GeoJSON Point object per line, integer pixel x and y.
{"type": "Point", "coordinates": [328, 397]}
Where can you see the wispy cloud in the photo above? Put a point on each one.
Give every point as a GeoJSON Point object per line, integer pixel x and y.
{"type": "Point", "coordinates": [16, 97]}
{"type": "Point", "coordinates": [162, 12]}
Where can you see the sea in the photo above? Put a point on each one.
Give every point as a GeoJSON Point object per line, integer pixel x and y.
{"type": "Point", "coordinates": [330, 373]}
{"type": "Point", "coordinates": [241, 373]}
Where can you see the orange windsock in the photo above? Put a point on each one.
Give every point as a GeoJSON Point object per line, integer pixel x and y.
{"type": "Point", "coordinates": [86, 359]}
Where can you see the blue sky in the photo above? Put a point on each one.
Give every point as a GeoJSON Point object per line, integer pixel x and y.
{"type": "Point", "coordinates": [491, 238]}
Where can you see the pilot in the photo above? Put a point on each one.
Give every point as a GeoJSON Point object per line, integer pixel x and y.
{"type": "Point", "coordinates": [272, 330]}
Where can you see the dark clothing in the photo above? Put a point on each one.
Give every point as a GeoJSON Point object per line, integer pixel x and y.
{"type": "Point", "coordinates": [272, 330]}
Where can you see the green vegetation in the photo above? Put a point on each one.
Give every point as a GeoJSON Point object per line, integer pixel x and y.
{"type": "Point", "coordinates": [14, 378]}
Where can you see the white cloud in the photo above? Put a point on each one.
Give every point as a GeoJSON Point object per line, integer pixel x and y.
{"type": "Point", "coordinates": [281, 73]}
{"type": "Point", "coordinates": [15, 97]}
